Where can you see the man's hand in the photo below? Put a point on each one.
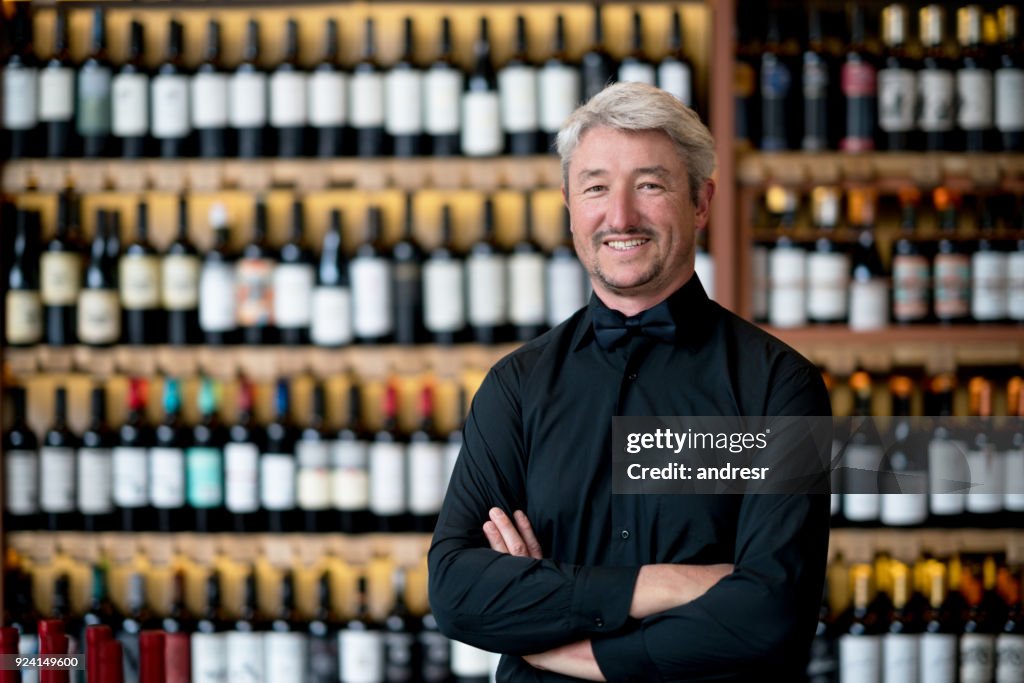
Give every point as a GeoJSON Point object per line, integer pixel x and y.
{"type": "Point", "coordinates": [512, 536]}
{"type": "Point", "coordinates": [575, 659]}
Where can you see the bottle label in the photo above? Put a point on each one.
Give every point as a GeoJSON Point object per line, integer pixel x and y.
{"type": "Point", "coordinates": [937, 94]}
{"type": "Point", "coordinates": [255, 290]}
{"type": "Point", "coordinates": [95, 468]}
{"type": "Point", "coordinates": [443, 92]}
{"type": "Point", "coordinates": [485, 286]}
{"type": "Point", "coordinates": [559, 95]}
{"type": "Point", "coordinates": [860, 659]}
{"type": "Point", "coordinates": [209, 658]}
{"type": "Point", "coordinates": [56, 479]}
{"type": "Point", "coordinates": [776, 79]}
{"type": "Point", "coordinates": [1013, 499]}
{"type": "Point", "coordinates": [1015, 285]}
{"type": "Point", "coordinates": [904, 509]}
{"type": "Point", "coordinates": [361, 656]}
{"type": "Point", "coordinates": [526, 287]}
{"type": "Point", "coordinates": [469, 661]}
{"type": "Point", "coordinates": [371, 297]}
{"type": "Point", "coordinates": [180, 282]}
{"type": "Point", "coordinates": [988, 285]}
{"type": "Point", "coordinates": [170, 107]}
{"type": "Point", "coordinates": [910, 286]}
{"type": "Point", "coordinates": [99, 316]}
{"type": "Point", "coordinates": [426, 477]}
{"type": "Point", "coordinates": [350, 479]}
{"type": "Point", "coordinates": [314, 477]}
{"type": "Point", "coordinates": [676, 78]}
{"type": "Point", "coordinates": [21, 482]}
{"type": "Point", "coordinates": [367, 100]}
{"type": "Point", "coordinates": [815, 81]}
{"type": "Point", "coordinates": [637, 72]}
{"type": "Point", "coordinates": [60, 278]}
{"type": "Point", "coordinates": [1009, 658]}
{"type": "Point", "coordinates": [247, 103]}
{"type": "Point", "coordinates": [130, 106]}
{"type": "Point", "coordinates": [858, 80]}
{"type": "Point", "coordinates": [241, 473]}
{"type": "Point", "coordinates": [517, 89]}
{"type": "Point", "coordinates": [293, 291]}
{"type": "Point", "coordinates": [897, 100]}
{"type": "Point", "coordinates": [828, 276]}
{"type": "Point", "coordinates": [56, 94]}
{"type": "Point", "coordinates": [387, 478]}
{"type": "Point", "coordinates": [244, 657]}
{"type": "Point", "coordinates": [869, 304]}
{"type": "Point", "coordinates": [952, 285]}
{"type": "Point", "coordinates": [398, 657]}
{"type": "Point", "coordinates": [24, 323]}
{"type": "Point", "coordinates": [205, 477]}
{"type": "Point", "coordinates": [209, 98]}
{"type": "Point", "coordinates": [130, 477]}
{"type": "Point", "coordinates": [20, 108]}
{"type": "Point", "coordinates": [288, 99]}
{"type": "Point", "coordinates": [744, 80]}
{"type": "Point", "coordinates": [277, 481]}
{"type": "Point", "coordinates": [974, 87]}
{"type": "Point", "coordinates": [217, 297]}
{"type": "Point", "coordinates": [787, 266]}
{"type": "Point", "coordinates": [404, 98]}
{"type": "Point", "coordinates": [565, 289]}
{"type": "Point", "coordinates": [167, 477]}
{"type": "Point", "coordinates": [443, 296]}
{"type": "Point", "coordinates": [986, 493]}
{"type": "Point", "coordinates": [436, 652]}
{"type": "Point", "coordinates": [900, 655]}
{"type": "Point", "coordinates": [327, 98]}
{"type": "Point", "coordinates": [140, 282]}
{"type": "Point", "coordinates": [94, 101]}
{"type": "Point", "coordinates": [481, 136]}
{"type": "Point", "coordinates": [977, 657]}
{"type": "Point", "coordinates": [946, 463]}
{"type": "Point", "coordinates": [284, 655]}
{"type": "Point", "coordinates": [1009, 96]}
{"type": "Point", "coordinates": [332, 316]}
{"type": "Point", "coordinates": [862, 507]}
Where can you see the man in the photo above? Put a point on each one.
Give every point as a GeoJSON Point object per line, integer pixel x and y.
{"type": "Point", "coordinates": [533, 556]}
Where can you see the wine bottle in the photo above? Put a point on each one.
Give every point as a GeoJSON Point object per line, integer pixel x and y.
{"type": "Point", "coordinates": [787, 263]}
{"type": "Point", "coordinates": [517, 92]}
{"type": "Point", "coordinates": [911, 269]}
{"type": "Point", "coordinates": [901, 644]}
{"type": "Point", "coordinates": [470, 664]}
{"type": "Point", "coordinates": [152, 657]}
{"type": "Point", "coordinates": [245, 639]}
{"type": "Point", "coordinates": [526, 265]}
{"type": "Point", "coordinates": [284, 643]}
{"type": "Point", "coordinates": [131, 463]}
{"type": "Point", "coordinates": [819, 92]}
{"type": "Point", "coordinates": [637, 67]}
{"type": "Point", "coordinates": [904, 472]}
{"type": "Point", "coordinates": [367, 100]}
{"type": "Point", "coordinates": [332, 297]}
{"type": "Point", "coordinates": [989, 275]}
{"type": "Point", "coordinates": [60, 269]}
{"type": "Point", "coordinates": [322, 633]}
{"type": "Point", "coordinates": [952, 263]}
{"type": "Point", "coordinates": [559, 85]}
{"type": "Point", "coordinates": [62, 611]}
{"type": "Point", "coordinates": [208, 642]}
{"type": "Point", "coordinates": [278, 466]}
{"type": "Point", "coordinates": [169, 90]}
{"type": "Point", "coordinates": [208, 95]}
{"type": "Point", "coordinates": [217, 315]}
{"type": "Point", "coordinates": [948, 474]}
{"type": "Point", "coordinates": [101, 609]}
{"type": "Point", "coordinates": [897, 83]}
{"type": "Point", "coordinates": [20, 90]}
{"type": "Point", "coordinates": [139, 280]}
{"type": "Point", "coordinates": [21, 463]}
{"type": "Point", "coordinates": [860, 648]}
{"type": "Point", "coordinates": [984, 500]}
{"type": "Point", "coordinates": [99, 308]}
{"type": "Point", "coordinates": [935, 82]}
{"type": "Point", "coordinates": [372, 295]}
{"type": "Point", "coordinates": [137, 618]}
{"type": "Point", "coordinates": [675, 70]}
{"type": "Point", "coordinates": [178, 620]}
{"type": "Point", "coordinates": [129, 90]}
{"type": "Point", "coordinates": [254, 275]}
{"type": "Point", "coordinates": [426, 467]}
{"type": "Point", "coordinates": [1013, 450]}
{"type": "Point", "coordinates": [828, 266]}
{"type": "Point", "coordinates": [57, 93]}
{"type": "Point", "coordinates": [406, 286]}
{"type": "Point", "coordinates": [23, 320]}
{"type": "Point", "coordinates": [598, 68]}
{"type": "Point", "coordinates": [481, 104]}
{"type": "Point", "coordinates": [444, 289]}
{"type": "Point", "coordinates": [361, 643]}
{"type": "Point", "coordinates": [862, 458]}
{"type": "Point", "coordinates": [399, 635]}
{"type": "Point", "coordinates": [293, 283]}
{"type": "Point", "coordinates": [167, 462]}
{"type": "Point", "coordinates": [869, 284]}
{"type": "Point", "coordinates": [1015, 270]}
{"type": "Point", "coordinates": [247, 98]}
{"type": "Point", "coordinates": [403, 99]}
{"type": "Point", "coordinates": [23, 614]}
{"type": "Point", "coordinates": [780, 88]}
{"type": "Point", "coordinates": [95, 467]}
{"type": "Point", "coordinates": [204, 463]}
{"type": "Point", "coordinates": [289, 85]}
{"type": "Point", "coordinates": [57, 468]}
{"type": "Point", "coordinates": [442, 86]}
{"type": "Point", "coordinates": [453, 444]}
{"type": "Point", "coordinates": [350, 478]}
{"type": "Point", "coordinates": [860, 88]}
{"type": "Point", "coordinates": [1009, 82]}
{"type": "Point", "coordinates": [1010, 642]}
{"type": "Point", "coordinates": [241, 462]}
{"type": "Point", "coordinates": [486, 282]}
{"type": "Point", "coordinates": [328, 90]}
{"type": "Point", "coordinates": [180, 272]}
{"type": "Point", "coordinates": [974, 84]}
{"type": "Point", "coordinates": [93, 106]}
{"type": "Point", "coordinates": [389, 501]}
{"type": "Point", "coordinates": [313, 456]}
{"type": "Point", "coordinates": [981, 624]}
{"type": "Point", "coordinates": [435, 651]}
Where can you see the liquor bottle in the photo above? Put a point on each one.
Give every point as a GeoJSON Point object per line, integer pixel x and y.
{"type": "Point", "coordinates": [20, 91]}
{"type": "Point", "coordinates": [904, 473]}
{"type": "Point", "coordinates": [897, 83]}
{"type": "Point", "coordinates": [780, 88]}
{"type": "Point", "coordinates": [57, 93]}
{"type": "Point", "coordinates": [361, 643]}
{"type": "Point", "coordinates": [99, 308]}
{"type": "Point", "coordinates": [399, 635]}
{"type": "Point", "coordinates": [1013, 450]}
{"type": "Point", "coordinates": [517, 91]}
{"type": "Point", "coordinates": [244, 639]}
{"type": "Point", "coordinates": [559, 88]}
{"type": "Point", "coordinates": [901, 644]}
{"type": "Point", "coordinates": [1009, 82]}
{"type": "Point", "coordinates": [453, 443]}
{"type": "Point", "coordinates": [1010, 641]}
{"type": "Point", "coordinates": [860, 648]}
{"type": "Point", "coordinates": [130, 463]}
{"type": "Point", "coordinates": [179, 278]}
{"type": "Point", "coordinates": [828, 266]}
{"type": "Point", "coordinates": [204, 463]}
{"type": "Point", "coordinates": [403, 99]}
{"type": "Point", "coordinates": [322, 633]}
{"type": "Point", "coordinates": [981, 624]}
{"type": "Point", "coordinates": [948, 474]}
{"type": "Point", "coordinates": [289, 86]}
{"type": "Point", "coordinates": [911, 269]}
{"type": "Point", "coordinates": [247, 98]}
{"type": "Point", "coordinates": [444, 308]}
{"type": "Point", "coordinates": [675, 70]}
{"type": "Point", "coordinates": [293, 283]}
{"type": "Point", "coordinates": [60, 267]}
{"type": "Point", "coordinates": [95, 467]}
{"type": "Point", "coordinates": [57, 468]}
{"type": "Point", "coordinates": [137, 618]}
{"type": "Point", "coordinates": [372, 296]}
{"type": "Point", "coordinates": [92, 110]}
{"type": "Point", "coordinates": [254, 273]}
{"type": "Point", "coordinates": [746, 80]}
{"type": "Point", "coordinates": [869, 285]}
{"type": "Point", "coordinates": [820, 94]}
{"type": "Point", "coordinates": [62, 611]}
{"type": "Point", "coordinates": [350, 476]}
{"type": "Point", "coordinates": [208, 641]}
{"type": "Point", "coordinates": [442, 87]}
{"type": "Point", "coordinates": [787, 263]}
{"type": "Point", "coordinates": [486, 282]}
{"type": "Point", "coordinates": [284, 644]}
{"type": "Point", "coordinates": [989, 275]}
{"type": "Point", "coordinates": [366, 99]}
{"type": "Point", "coordinates": [208, 95]}
{"type": "Point", "coordinates": [389, 501]}
{"type": "Point", "coordinates": [217, 317]}
{"type": "Point", "coordinates": [278, 466]}
{"type": "Point", "coordinates": [406, 285]}
{"type": "Point", "coordinates": [526, 280]}
{"type": "Point", "coordinates": [172, 124]}
{"type": "Point", "coordinates": [129, 91]}
{"type": "Point", "coordinates": [426, 466]}
{"type": "Point", "coordinates": [637, 67]}
{"type": "Point", "coordinates": [23, 320]}
{"type": "Point", "coordinates": [177, 624]}
{"type": "Point", "coordinates": [167, 462]}
{"type": "Point", "coordinates": [935, 82]}
{"type": "Point", "coordinates": [101, 609]}
{"type": "Point", "coordinates": [21, 463]}
{"type": "Point", "coordinates": [139, 280]}
{"type": "Point", "coordinates": [565, 279]}
{"type": "Point", "coordinates": [952, 263]}
{"type": "Point", "coordinates": [434, 650]}
{"type": "Point", "coordinates": [860, 88]}
{"type": "Point", "coordinates": [152, 657]}
{"type": "Point", "coordinates": [481, 104]}
{"type": "Point", "coordinates": [241, 462]}
{"type": "Point", "coordinates": [328, 88]}
{"type": "Point", "coordinates": [823, 662]}
{"type": "Point", "coordinates": [313, 456]}
{"type": "Point", "coordinates": [23, 614]}
{"type": "Point", "coordinates": [862, 458]}
{"type": "Point", "coordinates": [984, 500]}
{"type": "Point", "coordinates": [332, 297]}
{"type": "Point", "coordinates": [974, 86]}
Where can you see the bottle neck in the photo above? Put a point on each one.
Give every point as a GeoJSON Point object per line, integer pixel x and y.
{"type": "Point", "coordinates": [213, 43]}
{"type": "Point", "coordinates": [252, 42]}
{"type": "Point", "coordinates": [369, 42]}
{"type": "Point", "coordinates": [331, 41]}
{"type": "Point", "coordinates": [445, 46]}
{"type": "Point", "coordinates": [99, 34]}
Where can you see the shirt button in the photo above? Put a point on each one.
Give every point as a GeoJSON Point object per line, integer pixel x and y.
{"type": "Point", "coordinates": [625, 535]}
{"type": "Point", "coordinates": [599, 622]}
{"type": "Point", "coordinates": [632, 376]}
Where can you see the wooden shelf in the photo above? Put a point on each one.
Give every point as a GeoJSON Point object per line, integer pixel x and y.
{"type": "Point", "coordinates": [859, 545]}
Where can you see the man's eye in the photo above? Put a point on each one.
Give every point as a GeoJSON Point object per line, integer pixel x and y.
{"type": "Point", "coordinates": [595, 188]}
{"type": "Point", "coordinates": [650, 186]}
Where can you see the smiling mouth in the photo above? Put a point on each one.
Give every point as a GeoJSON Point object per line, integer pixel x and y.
{"type": "Point", "coordinates": [626, 245]}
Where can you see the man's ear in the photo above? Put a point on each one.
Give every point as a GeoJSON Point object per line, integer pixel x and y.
{"type": "Point", "coordinates": [702, 211]}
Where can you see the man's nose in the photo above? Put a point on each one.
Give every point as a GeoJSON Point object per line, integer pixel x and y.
{"type": "Point", "coordinates": [622, 209]}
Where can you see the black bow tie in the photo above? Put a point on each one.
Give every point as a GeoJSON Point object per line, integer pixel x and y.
{"type": "Point", "coordinates": [612, 328]}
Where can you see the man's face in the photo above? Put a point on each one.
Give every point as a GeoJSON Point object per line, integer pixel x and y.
{"type": "Point", "coordinates": [633, 221]}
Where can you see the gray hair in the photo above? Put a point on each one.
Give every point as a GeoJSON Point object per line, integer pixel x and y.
{"type": "Point", "coordinates": [641, 107]}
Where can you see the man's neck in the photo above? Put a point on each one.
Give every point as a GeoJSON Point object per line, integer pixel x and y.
{"type": "Point", "coordinates": [630, 305]}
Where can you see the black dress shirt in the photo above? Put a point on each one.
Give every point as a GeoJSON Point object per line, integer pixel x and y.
{"type": "Point", "coordinates": [538, 439]}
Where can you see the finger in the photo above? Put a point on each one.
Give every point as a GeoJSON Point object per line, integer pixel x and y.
{"type": "Point", "coordinates": [530, 538]}
{"type": "Point", "coordinates": [509, 533]}
{"type": "Point", "coordinates": [494, 538]}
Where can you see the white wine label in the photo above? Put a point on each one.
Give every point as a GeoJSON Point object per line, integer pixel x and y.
{"type": "Point", "coordinates": [1009, 658]}
{"type": "Point", "coordinates": [828, 277]}
{"type": "Point", "coordinates": [94, 101]}
{"type": "Point", "coordinates": [241, 475]}
{"type": "Point", "coordinates": [938, 657]}
{"type": "Point", "coordinates": [986, 493]}
{"type": "Point", "coordinates": [517, 90]}
{"type": "Point", "coordinates": [371, 297]}
{"type": "Point", "coordinates": [293, 292]}
{"type": "Point", "coordinates": [130, 477]}
{"type": "Point", "coordinates": [99, 316]}
{"type": "Point", "coordinates": [56, 479]}
{"type": "Point", "coordinates": [1013, 498]}
{"type": "Point", "coordinates": [314, 476]}
{"type": "Point", "coordinates": [559, 95]}
{"type": "Point", "coordinates": [244, 657]}
{"type": "Point", "coordinates": [140, 282]}
{"type": "Point", "coordinates": [485, 287]}
{"type": "Point", "coordinates": [180, 282]}
{"type": "Point", "coordinates": [946, 463]}
{"type": "Point", "coordinates": [60, 278]}
{"type": "Point", "coordinates": [637, 73]}
{"type": "Point", "coordinates": [130, 105]}
{"type": "Point", "coordinates": [332, 316]}
{"type": "Point", "coordinates": [676, 78]}
{"type": "Point", "coordinates": [170, 107]}
{"type": "Point", "coordinates": [95, 468]}
{"type": "Point", "coordinates": [862, 507]}
{"type": "Point", "coordinates": [974, 87]}
{"type": "Point", "coordinates": [469, 662]}
{"type": "Point", "coordinates": [481, 134]}
{"type": "Point", "coordinates": [442, 91]}
{"type": "Point", "coordinates": [904, 509]}
{"type": "Point", "coordinates": [426, 477]}
{"type": "Point", "coordinates": [350, 477]}
{"type": "Point", "coordinates": [288, 99]}
{"type": "Point", "coordinates": [526, 289]}
{"type": "Point", "coordinates": [451, 456]}
{"type": "Point", "coordinates": [1014, 285]}
{"type": "Point", "coordinates": [952, 285]}
{"type": "Point", "coordinates": [217, 297]}
{"type": "Point", "coordinates": [387, 478]}
{"type": "Point", "coordinates": [20, 104]}
{"type": "Point", "coordinates": [565, 290]}
{"type": "Point", "coordinates": [897, 100]}
{"type": "Point", "coordinates": [911, 284]}
{"type": "Point", "coordinates": [56, 94]}
{"type": "Point", "coordinates": [988, 285]}
{"type": "Point", "coordinates": [209, 658]}
{"type": "Point", "coordinates": [24, 322]}
{"type": "Point", "coordinates": [361, 656]}
{"type": "Point", "coordinates": [787, 306]}
{"type": "Point", "coordinates": [167, 477]}
{"type": "Point", "coordinates": [328, 93]}
{"type": "Point", "coordinates": [254, 280]}
{"type": "Point", "coordinates": [937, 94]}
{"type": "Point", "coordinates": [366, 99]}
{"type": "Point", "coordinates": [1009, 100]}
{"type": "Point", "coordinates": [247, 99]}
{"type": "Point", "coordinates": [444, 307]}
{"type": "Point", "coordinates": [205, 477]}
{"type": "Point", "coordinates": [284, 656]}
{"type": "Point", "coordinates": [787, 266]}
{"type": "Point", "coordinates": [901, 653]}
{"type": "Point", "coordinates": [209, 99]}
{"type": "Point", "coordinates": [277, 481]}
{"type": "Point", "coordinates": [977, 657]}
{"type": "Point", "coordinates": [860, 659]}
{"type": "Point", "coordinates": [403, 99]}
{"type": "Point", "coordinates": [21, 482]}
{"type": "Point", "coordinates": [869, 304]}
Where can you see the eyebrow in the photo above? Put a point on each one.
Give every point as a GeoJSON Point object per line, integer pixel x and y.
{"type": "Point", "coordinates": [658, 171]}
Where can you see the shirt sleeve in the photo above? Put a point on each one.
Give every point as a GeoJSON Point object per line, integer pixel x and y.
{"type": "Point", "coordinates": [494, 601]}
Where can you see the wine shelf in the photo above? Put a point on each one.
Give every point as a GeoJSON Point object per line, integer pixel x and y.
{"type": "Point", "coordinates": [860, 545]}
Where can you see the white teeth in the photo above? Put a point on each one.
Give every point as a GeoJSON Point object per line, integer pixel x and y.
{"type": "Point", "coordinates": [625, 244]}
